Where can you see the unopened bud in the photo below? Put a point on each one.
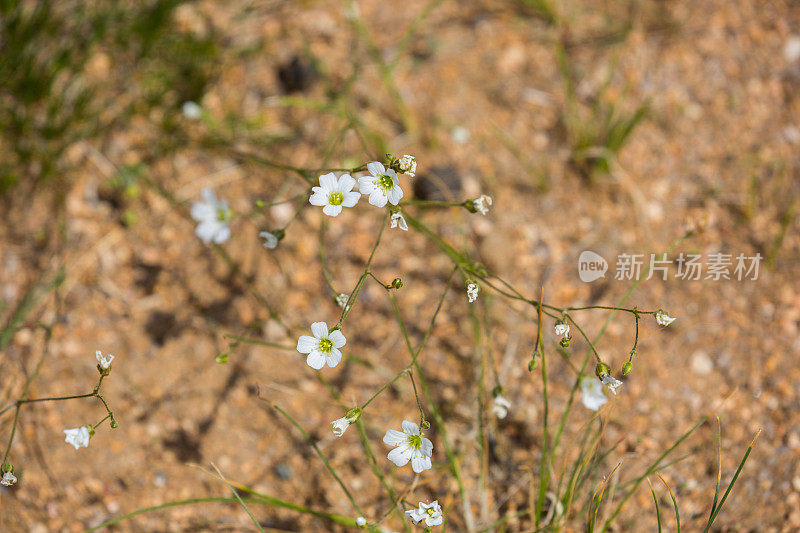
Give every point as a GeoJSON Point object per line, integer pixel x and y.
{"type": "Point", "coordinates": [397, 283]}
{"type": "Point", "coordinates": [565, 342]}
{"type": "Point", "coordinates": [602, 369]}
{"type": "Point", "coordinates": [627, 368]}
{"type": "Point", "coordinates": [426, 424]}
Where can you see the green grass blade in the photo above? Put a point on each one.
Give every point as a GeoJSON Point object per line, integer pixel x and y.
{"type": "Point", "coordinates": [716, 511]}
{"type": "Point", "coordinates": [655, 502]}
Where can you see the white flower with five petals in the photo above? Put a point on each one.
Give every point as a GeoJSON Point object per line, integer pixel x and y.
{"type": "Point", "coordinates": [323, 347]}
{"type": "Point", "coordinates": [592, 394]}
{"type": "Point", "coordinates": [381, 185]}
{"type": "Point", "coordinates": [431, 513]}
{"type": "Point", "coordinates": [332, 194]}
{"type": "Point", "coordinates": [79, 437]}
{"type": "Point", "coordinates": [213, 216]}
{"type": "Point", "coordinates": [410, 445]}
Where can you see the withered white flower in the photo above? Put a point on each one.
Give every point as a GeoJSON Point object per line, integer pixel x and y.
{"type": "Point", "coordinates": [79, 437]}
{"type": "Point", "coordinates": [340, 425]}
{"type": "Point", "coordinates": [472, 291]}
{"type": "Point", "coordinates": [361, 521]}
{"type": "Point", "coordinates": [610, 382]}
{"type": "Point", "coordinates": [191, 110]}
{"type": "Point", "coordinates": [332, 194]}
{"type": "Point", "coordinates": [482, 204]}
{"type": "Point", "coordinates": [270, 239]}
{"type": "Point", "coordinates": [213, 216]}
{"type": "Point", "coordinates": [500, 407]}
{"type": "Point", "coordinates": [410, 445]}
{"type": "Point", "coordinates": [381, 185]}
{"type": "Point", "coordinates": [103, 361]}
{"type": "Point", "coordinates": [342, 299]}
{"type": "Point", "coordinates": [8, 479]}
{"type": "Point", "coordinates": [323, 347]}
{"type": "Point", "coordinates": [663, 318]}
{"type": "Point", "coordinates": [431, 513]}
{"type": "Point", "coordinates": [592, 394]}
{"type": "Point", "coordinates": [408, 165]}
{"type": "Point", "coordinates": [399, 221]}
{"type": "Point", "coordinates": [562, 329]}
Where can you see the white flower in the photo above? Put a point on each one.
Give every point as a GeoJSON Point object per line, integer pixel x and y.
{"type": "Point", "coordinates": [610, 382]}
{"type": "Point", "coordinates": [501, 407]}
{"type": "Point", "coordinates": [562, 329]}
{"type": "Point", "coordinates": [361, 521]}
{"type": "Point", "coordinates": [323, 347]}
{"type": "Point", "coordinates": [8, 479]}
{"type": "Point", "coordinates": [472, 292]}
{"type": "Point", "coordinates": [340, 425]}
{"type": "Point", "coordinates": [592, 394]}
{"type": "Point", "coordinates": [78, 436]}
{"type": "Point", "coordinates": [191, 110]}
{"type": "Point", "coordinates": [382, 185]}
{"type": "Point", "coordinates": [663, 318]}
{"type": "Point", "coordinates": [410, 446]}
{"type": "Point", "coordinates": [399, 221]}
{"type": "Point", "coordinates": [103, 361]}
{"type": "Point", "coordinates": [270, 239]}
{"type": "Point", "coordinates": [408, 165]}
{"type": "Point", "coordinates": [430, 512]}
{"type": "Point", "coordinates": [213, 216]}
{"type": "Point", "coordinates": [482, 204]}
{"type": "Point", "coordinates": [333, 195]}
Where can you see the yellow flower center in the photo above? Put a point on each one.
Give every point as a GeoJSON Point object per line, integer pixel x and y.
{"type": "Point", "coordinates": [325, 345]}
{"type": "Point", "coordinates": [386, 182]}
{"type": "Point", "coordinates": [415, 441]}
{"type": "Point", "coordinates": [336, 198]}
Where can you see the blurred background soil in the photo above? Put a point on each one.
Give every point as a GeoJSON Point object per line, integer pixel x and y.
{"type": "Point", "coordinates": [594, 125]}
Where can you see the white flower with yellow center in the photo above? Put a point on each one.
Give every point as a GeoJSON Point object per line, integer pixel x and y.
{"type": "Point", "coordinates": [323, 347]}
{"type": "Point", "coordinates": [79, 437]}
{"type": "Point", "coordinates": [592, 394]}
{"type": "Point", "coordinates": [407, 165]}
{"type": "Point", "coordinates": [399, 221]}
{"type": "Point", "coordinates": [431, 513]}
{"type": "Point", "coordinates": [8, 479]}
{"type": "Point", "coordinates": [332, 194]}
{"type": "Point", "coordinates": [410, 445]}
{"type": "Point", "coordinates": [663, 318]}
{"type": "Point", "coordinates": [213, 216]}
{"type": "Point", "coordinates": [381, 185]}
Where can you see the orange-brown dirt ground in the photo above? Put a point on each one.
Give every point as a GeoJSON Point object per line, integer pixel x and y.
{"type": "Point", "coordinates": [476, 93]}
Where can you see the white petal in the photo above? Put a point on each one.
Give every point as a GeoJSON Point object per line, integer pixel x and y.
{"type": "Point", "coordinates": [427, 447]}
{"type": "Point", "coordinates": [319, 198]}
{"type": "Point", "coordinates": [332, 210]}
{"type": "Point", "coordinates": [202, 211]}
{"type": "Point", "coordinates": [208, 196]}
{"type": "Point", "coordinates": [222, 234]}
{"type": "Point", "coordinates": [333, 358]}
{"type": "Point", "coordinates": [394, 437]}
{"type": "Point", "coordinates": [320, 330]}
{"type": "Point", "coordinates": [410, 428]}
{"type": "Point", "coordinates": [376, 169]}
{"type": "Point", "coordinates": [377, 198]}
{"type": "Point", "coordinates": [337, 338]}
{"type": "Point", "coordinates": [306, 343]}
{"type": "Point", "coordinates": [315, 360]}
{"type": "Point", "coordinates": [434, 521]}
{"type": "Point", "coordinates": [351, 199]}
{"type": "Point", "coordinates": [415, 515]}
{"type": "Point", "coordinates": [420, 464]}
{"type": "Point", "coordinates": [206, 230]}
{"type": "Point", "coordinates": [366, 184]}
{"type": "Point", "coordinates": [328, 182]}
{"type": "Point", "coordinates": [346, 183]}
{"type": "Point", "coordinates": [400, 456]}
{"type": "Point", "coordinates": [395, 195]}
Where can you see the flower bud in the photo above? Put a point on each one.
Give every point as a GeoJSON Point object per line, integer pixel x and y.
{"type": "Point", "coordinates": [426, 424]}
{"type": "Point", "coordinates": [627, 368]}
{"type": "Point", "coordinates": [397, 283]}
{"type": "Point", "coordinates": [532, 364]}
{"type": "Point", "coordinates": [601, 370]}
{"type": "Point", "coordinates": [497, 391]}
{"type": "Point", "coordinates": [565, 342]}
{"type": "Point", "coordinates": [114, 424]}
